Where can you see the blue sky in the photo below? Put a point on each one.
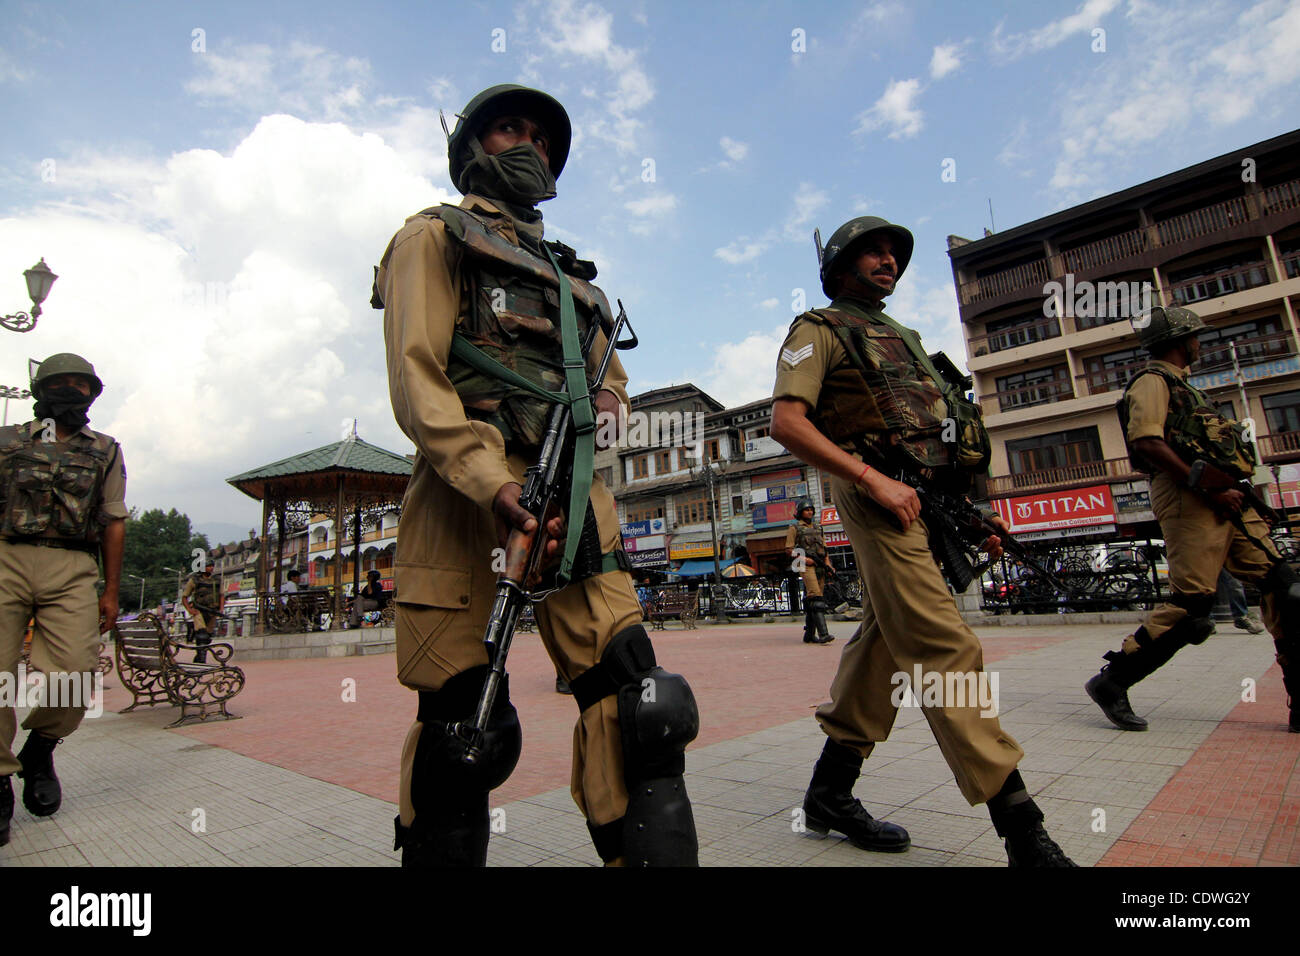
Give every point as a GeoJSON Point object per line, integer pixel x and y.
{"type": "Point", "coordinates": [214, 214]}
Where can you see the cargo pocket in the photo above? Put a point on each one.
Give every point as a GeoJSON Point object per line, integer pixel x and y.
{"type": "Point", "coordinates": [435, 633]}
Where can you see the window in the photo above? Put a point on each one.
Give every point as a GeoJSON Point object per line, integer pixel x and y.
{"type": "Point", "coordinates": [1021, 330]}
{"type": "Point", "coordinates": [1034, 388]}
{"type": "Point", "coordinates": [641, 466]}
{"type": "Point", "coordinates": [663, 462]}
{"type": "Point", "coordinates": [1226, 409]}
{"type": "Point", "coordinates": [693, 510]}
{"type": "Point", "coordinates": [606, 475]}
{"type": "Point", "coordinates": [686, 458]}
{"type": "Point", "coordinates": [1282, 412]}
{"type": "Point", "coordinates": [712, 450]}
{"type": "Point", "coordinates": [1112, 371]}
{"type": "Point", "coordinates": [1221, 277]}
{"type": "Point", "coordinates": [760, 433]}
{"type": "Point", "coordinates": [737, 504]}
{"type": "Point", "coordinates": [1056, 450]}
{"type": "Point", "coordinates": [644, 512]}
{"type": "Point", "coordinates": [1255, 340]}
{"type": "Point", "coordinates": [825, 481]}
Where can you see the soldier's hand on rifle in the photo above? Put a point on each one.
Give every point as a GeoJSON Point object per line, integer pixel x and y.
{"type": "Point", "coordinates": [510, 516]}
{"type": "Point", "coordinates": [894, 496]}
{"type": "Point", "coordinates": [1227, 501]}
{"type": "Point", "coordinates": [993, 543]}
{"type": "Point", "coordinates": [607, 410]}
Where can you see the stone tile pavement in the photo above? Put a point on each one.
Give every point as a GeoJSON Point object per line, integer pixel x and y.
{"type": "Point", "coordinates": [1216, 780]}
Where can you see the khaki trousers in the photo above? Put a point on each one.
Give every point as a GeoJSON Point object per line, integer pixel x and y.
{"type": "Point", "coordinates": [576, 625]}
{"type": "Point", "coordinates": [57, 588]}
{"type": "Point", "coordinates": [910, 618]}
{"type": "Point", "coordinates": [812, 581]}
{"type": "Point", "coordinates": [1199, 544]}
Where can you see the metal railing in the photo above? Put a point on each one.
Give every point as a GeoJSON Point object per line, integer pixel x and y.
{"type": "Point", "coordinates": [1109, 469]}
{"type": "Point", "coordinates": [1279, 444]}
{"type": "Point", "coordinates": [1189, 225]}
{"type": "Point", "coordinates": [1038, 393]}
{"type": "Point", "coordinates": [1015, 336]}
{"type": "Point", "coordinates": [1211, 286]}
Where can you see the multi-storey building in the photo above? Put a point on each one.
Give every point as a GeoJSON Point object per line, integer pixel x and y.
{"type": "Point", "coordinates": [1047, 310]}
{"type": "Point", "coordinates": [710, 460]}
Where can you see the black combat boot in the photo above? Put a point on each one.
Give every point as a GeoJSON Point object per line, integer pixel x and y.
{"type": "Point", "coordinates": [823, 632]}
{"type": "Point", "coordinates": [830, 804]}
{"type": "Point", "coordinates": [202, 639]}
{"type": "Point", "coordinates": [814, 625]}
{"type": "Point", "coordinates": [1112, 697]}
{"type": "Point", "coordinates": [6, 807]}
{"type": "Point", "coordinates": [1020, 824]}
{"type": "Point", "coordinates": [42, 794]}
{"type": "Point", "coordinates": [1290, 681]}
{"type": "Point", "coordinates": [1109, 689]}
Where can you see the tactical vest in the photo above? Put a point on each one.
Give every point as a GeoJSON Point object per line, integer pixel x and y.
{"type": "Point", "coordinates": [204, 595]}
{"type": "Point", "coordinates": [809, 539]}
{"type": "Point", "coordinates": [1193, 429]}
{"type": "Point", "coordinates": [52, 489]}
{"type": "Point", "coordinates": [887, 403]}
{"type": "Point", "coordinates": [511, 312]}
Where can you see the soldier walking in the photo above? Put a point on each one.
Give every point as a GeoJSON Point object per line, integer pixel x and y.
{"type": "Point", "coordinates": [856, 396]}
{"type": "Point", "coordinates": [62, 506]}
{"type": "Point", "coordinates": [202, 598]}
{"type": "Point", "coordinates": [1197, 460]}
{"type": "Point", "coordinates": [805, 542]}
{"type": "Point", "coordinates": [476, 320]}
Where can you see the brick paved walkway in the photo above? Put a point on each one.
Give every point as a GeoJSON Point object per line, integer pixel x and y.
{"type": "Point", "coordinates": [306, 778]}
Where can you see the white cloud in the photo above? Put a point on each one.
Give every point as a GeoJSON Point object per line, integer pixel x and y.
{"type": "Point", "coordinates": [10, 71]}
{"type": "Point", "coordinates": [223, 298]}
{"type": "Point", "coordinates": [1083, 20]}
{"type": "Point", "coordinates": [1188, 66]}
{"type": "Point", "coordinates": [744, 371]}
{"type": "Point", "coordinates": [739, 251]}
{"type": "Point", "coordinates": [945, 60]}
{"type": "Point", "coordinates": [300, 78]}
{"type": "Point", "coordinates": [735, 150]}
{"type": "Point", "coordinates": [807, 202]}
{"type": "Point", "coordinates": [896, 110]}
{"type": "Point", "coordinates": [657, 205]}
{"type": "Point", "coordinates": [769, 303]}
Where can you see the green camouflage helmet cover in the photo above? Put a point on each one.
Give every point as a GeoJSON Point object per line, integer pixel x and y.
{"type": "Point", "coordinates": [497, 101]}
{"type": "Point", "coordinates": [1166, 325]}
{"type": "Point", "coordinates": [803, 505]}
{"type": "Point", "coordinates": [853, 230]}
{"type": "Point", "coordinates": [66, 363]}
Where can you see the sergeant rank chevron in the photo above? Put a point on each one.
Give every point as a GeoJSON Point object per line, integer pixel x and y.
{"type": "Point", "coordinates": [794, 358]}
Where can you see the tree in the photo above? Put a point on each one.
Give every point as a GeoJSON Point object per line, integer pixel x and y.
{"type": "Point", "coordinates": [154, 541]}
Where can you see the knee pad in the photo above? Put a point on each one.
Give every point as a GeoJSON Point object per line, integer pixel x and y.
{"type": "Point", "coordinates": [1198, 625]}
{"type": "Point", "coordinates": [450, 797]}
{"type": "Point", "coordinates": [657, 718]}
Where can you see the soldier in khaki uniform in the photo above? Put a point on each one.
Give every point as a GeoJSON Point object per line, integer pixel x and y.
{"type": "Point", "coordinates": [202, 598]}
{"type": "Point", "coordinates": [1196, 458]}
{"type": "Point", "coordinates": [458, 285]}
{"type": "Point", "coordinates": [852, 384]}
{"type": "Point", "coordinates": [62, 491]}
{"type": "Point", "coordinates": [806, 545]}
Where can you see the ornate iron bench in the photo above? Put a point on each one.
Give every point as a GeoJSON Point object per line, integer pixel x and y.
{"type": "Point", "coordinates": [684, 605]}
{"type": "Point", "coordinates": [149, 664]}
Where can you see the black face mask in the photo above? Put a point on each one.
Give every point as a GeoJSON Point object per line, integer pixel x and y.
{"type": "Point", "coordinates": [66, 405]}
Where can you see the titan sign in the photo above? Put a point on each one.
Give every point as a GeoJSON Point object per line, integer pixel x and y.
{"type": "Point", "coordinates": [1076, 508]}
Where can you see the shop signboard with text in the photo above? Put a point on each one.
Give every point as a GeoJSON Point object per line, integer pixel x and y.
{"type": "Point", "coordinates": [1058, 510]}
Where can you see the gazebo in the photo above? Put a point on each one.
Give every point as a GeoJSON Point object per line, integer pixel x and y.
{"type": "Point", "coordinates": [353, 480]}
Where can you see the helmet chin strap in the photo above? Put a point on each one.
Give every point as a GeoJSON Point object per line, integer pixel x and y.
{"type": "Point", "coordinates": [878, 290]}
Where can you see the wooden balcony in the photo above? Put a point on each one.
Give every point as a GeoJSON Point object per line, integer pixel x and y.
{"type": "Point", "coordinates": [1016, 336]}
{"type": "Point", "coordinates": [1280, 447]}
{"type": "Point", "coordinates": [1067, 476]}
{"type": "Point", "coordinates": [1094, 255]}
{"type": "Point", "coordinates": [1026, 396]}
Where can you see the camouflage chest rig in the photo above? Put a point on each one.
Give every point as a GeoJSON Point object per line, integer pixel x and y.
{"type": "Point", "coordinates": [50, 489]}
{"type": "Point", "coordinates": [891, 402]}
{"type": "Point", "coordinates": [1193, 429]}
{"type": "Point", "coordinates": [515, 353]}
{"type": "Point", "coordinates": [809, 539]}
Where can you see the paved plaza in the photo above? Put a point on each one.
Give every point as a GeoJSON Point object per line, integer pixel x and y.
{"type": "Point", "coordinates": [308, 777]}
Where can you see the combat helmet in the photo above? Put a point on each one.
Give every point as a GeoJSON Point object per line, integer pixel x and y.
{"type": "Point", "coordinates": [509, 98]}
{"type": "Point", "coordinates": [1168, 324]}
{"type": "Point", "coordinates": [853, 230]}
{"type": "Point", "coordinates": [803, 505]}
{"type": "Point", "coordinates": [66, 363]}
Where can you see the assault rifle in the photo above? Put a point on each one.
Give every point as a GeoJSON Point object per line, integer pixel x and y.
{"type": "Point", "coordinates": [957, 526]}
{"type": "Point", "coordinates": [546, 485]}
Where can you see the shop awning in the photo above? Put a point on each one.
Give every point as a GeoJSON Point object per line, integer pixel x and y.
{"type": "Point", "coordinates": [699, 569]}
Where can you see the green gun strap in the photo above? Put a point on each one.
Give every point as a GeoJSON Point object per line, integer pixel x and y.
{"type": "Point", "coordinates": [479, 360]}
{"type": "Point", "coordinates": [584, 421]}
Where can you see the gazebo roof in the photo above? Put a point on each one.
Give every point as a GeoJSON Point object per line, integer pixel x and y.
{"type": "Point", "coordinates": [363, 467]}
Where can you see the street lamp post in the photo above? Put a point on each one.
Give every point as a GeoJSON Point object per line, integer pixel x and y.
{"type": "Point", "coordinates": [710, 471]}
{"type": "Point", "coordinates": [176, 608]}
{"type": "Point", "coordinates": [12, 391]}
{"type": "Point", "coordinates": [39, 280]}
{"type": "Point", "coordinates": [140, 608]}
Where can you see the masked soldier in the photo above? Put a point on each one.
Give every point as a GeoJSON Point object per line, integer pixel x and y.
{"type": "Point", "coordinates": [62, 491]}
{"type": "Point", "coordinates": [806, 545]}
{"type": "Point", "coordinates": [857, 397]}
{"type": "Point", "coordinates": [479, 317]}
{"type": "Point", "coordinates": [202, 598]}
{"type": "Point", "coordinates": [1200, 463]}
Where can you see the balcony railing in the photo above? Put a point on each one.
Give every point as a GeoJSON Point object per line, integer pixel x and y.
{"type": "Point", "coordinates": [1018, 335]}
{"type": "Point", "coordinates": [1189, 225]}
{"type": "Point", "coordinates": [1291, 265]}
{"type": "Point", "coordinates": [1110, 469]}
{"type": "Point", "coordinates": [1225, 282]}
{"type": "Point", "coordinates": [1109, 379]}
{"type": "Point", "coordinates": [1279, 445]}
{"type": "Point", "coordinates": [1216, 357]}
{"type": "Point", "coordinates": [1039, 393]}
